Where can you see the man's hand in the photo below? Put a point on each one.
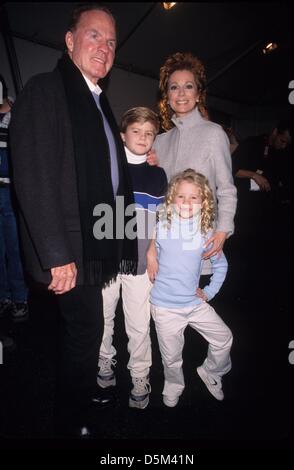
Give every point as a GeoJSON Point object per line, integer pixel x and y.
{"type": "Point", "coordinates": [152, 263]}
{"type": "Point", "coordinates": [201, 294]}
{"type": "Point", "coordinates": [218, 239]}
{"type": "Point", "coordinates": [63, 278]}
{"type": "Point", "coordinates": [152, 158]}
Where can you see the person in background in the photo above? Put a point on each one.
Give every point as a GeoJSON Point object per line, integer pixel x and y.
{"type": "Point", "coordinates": [13, 288]}
{"type": "Point", "coordinates": [260, 162]}
{"type": "Point", "coordinates": [263, 170]}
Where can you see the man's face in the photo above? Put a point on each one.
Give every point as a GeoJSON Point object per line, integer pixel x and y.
{"type": "Point", "coordinates": [281, 141]}
{"type": "Point", "coordinates": [91, 46]}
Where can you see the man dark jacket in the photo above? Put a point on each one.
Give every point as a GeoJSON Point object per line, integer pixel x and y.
{"type": "Point", "coordinates": [47, 195]}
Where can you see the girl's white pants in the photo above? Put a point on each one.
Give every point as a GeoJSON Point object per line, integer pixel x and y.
{"type": "Point", "coordinates": [170, 326]}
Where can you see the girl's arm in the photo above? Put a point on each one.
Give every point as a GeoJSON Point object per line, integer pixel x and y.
{"type": "Point", "coordinates": [219, 271]}
{"type": "Point", "coordinates": [152, 263]}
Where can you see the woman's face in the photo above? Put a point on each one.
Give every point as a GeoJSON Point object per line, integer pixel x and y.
{"type": "Point", "coordinates": [182, 92]}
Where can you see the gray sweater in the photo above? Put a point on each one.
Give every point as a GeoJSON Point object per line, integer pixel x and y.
{"type": "Point", "coordinates": [203, 146]}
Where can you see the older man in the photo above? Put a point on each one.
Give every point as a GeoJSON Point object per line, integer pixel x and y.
{"type": "Point", "coordinates": [67, 158]}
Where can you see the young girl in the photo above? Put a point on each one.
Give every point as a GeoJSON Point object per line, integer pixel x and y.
{"type": "Point", "coordinates": [185, 224]}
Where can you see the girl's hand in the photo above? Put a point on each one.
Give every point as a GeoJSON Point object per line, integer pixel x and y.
{"type": "Point", "coordinates": [201, 294]}
{"type": "Point", "coordinates": [152, 263]}
{"type": "Point", "coordinates": [152, 269]}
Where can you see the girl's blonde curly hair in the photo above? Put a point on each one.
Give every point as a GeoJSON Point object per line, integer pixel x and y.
{"type": "Point", "coordinates": [181, 61]}
{"type": "Point", "coordinates": [166, 210]}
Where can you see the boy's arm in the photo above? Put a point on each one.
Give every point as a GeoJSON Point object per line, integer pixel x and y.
{"type": "Point", "coordinates": [219, 271]}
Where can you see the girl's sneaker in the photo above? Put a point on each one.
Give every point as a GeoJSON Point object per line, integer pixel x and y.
{"type": "Point", "coordinates": [214, 386]}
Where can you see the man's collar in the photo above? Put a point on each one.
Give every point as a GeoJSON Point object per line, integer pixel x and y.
{"type": "Point", "coordinates": [94, 88]}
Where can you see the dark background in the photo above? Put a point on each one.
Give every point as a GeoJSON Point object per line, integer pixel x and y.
{"type": "Point", "coordinates": [245, 87]}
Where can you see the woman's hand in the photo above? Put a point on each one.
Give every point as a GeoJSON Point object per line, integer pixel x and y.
{"type": "Point", "coordinates": [218, 239]}
{"type": "Point", "coordinates": [152, 159]}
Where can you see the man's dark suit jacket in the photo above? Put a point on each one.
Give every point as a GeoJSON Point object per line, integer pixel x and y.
{"type": "Point", "coordinates": [44, 177]}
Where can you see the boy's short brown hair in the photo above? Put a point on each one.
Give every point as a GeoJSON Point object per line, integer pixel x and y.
{"type": "Point", "coordinates": [139, 114]}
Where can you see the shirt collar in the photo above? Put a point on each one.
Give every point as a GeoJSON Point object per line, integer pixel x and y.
{"type": "Point", "coordinates": [135, 159]}
{"type": "Point", "coordinates": [190, 120]}
{"type": "Point", "coordinates": [196, 219]}
{"type": "Point", "coordinates": [93, 88]}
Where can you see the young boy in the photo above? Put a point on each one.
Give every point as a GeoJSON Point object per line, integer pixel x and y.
{"type": "Point", "coordinates": [139, 127]}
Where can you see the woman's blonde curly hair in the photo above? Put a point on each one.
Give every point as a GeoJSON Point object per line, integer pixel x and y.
{"type": "Point", "coordinates": [166, 210]}
{"type": "Point", "coordinates": [181, 61]}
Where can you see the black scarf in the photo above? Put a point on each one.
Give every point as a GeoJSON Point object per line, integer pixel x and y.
{"type": "Point", "coordinates": [102, 258]}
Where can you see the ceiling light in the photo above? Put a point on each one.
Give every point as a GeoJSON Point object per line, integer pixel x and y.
{"type": "Point", "coordinates": [270, 47]}
{"type": "Point", "coordinates": [168, 6]}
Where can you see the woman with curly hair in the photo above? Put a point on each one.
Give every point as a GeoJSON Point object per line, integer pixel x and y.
{"type": "Point", "coordinates": [192, 141]}
{"type": "Point", "coordinates": [183, 229]}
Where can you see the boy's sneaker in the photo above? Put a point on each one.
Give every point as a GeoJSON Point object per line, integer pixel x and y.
{"type": "Point", "coordinates": [214, 386]}
{"type": "Point", "coordinates": [6, 306]}
{"type": "Point", "coordinates": [170, 401]}
{"type": "Point", "coordinates": [139, 397]}
{"type": "Point", "coordinates": [20, 311]}
{"type": "Point", "coordinates": [105, 376]}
